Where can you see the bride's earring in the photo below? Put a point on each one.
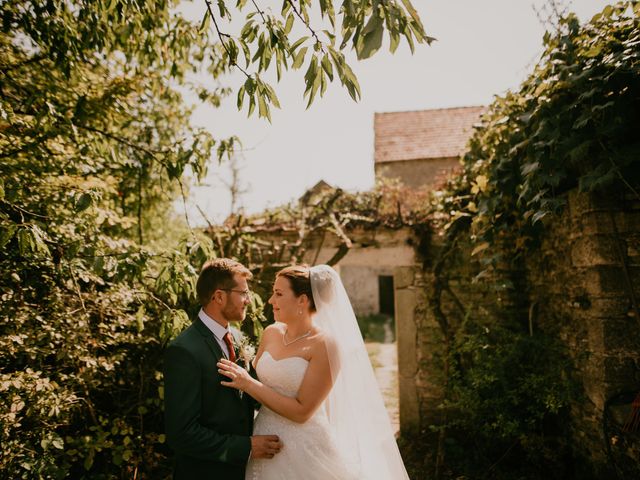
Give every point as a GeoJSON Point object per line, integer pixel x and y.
{"type": "Point", "coordinates": [300, 312]}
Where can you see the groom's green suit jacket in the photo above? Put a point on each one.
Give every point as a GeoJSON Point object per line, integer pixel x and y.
{"type": "Point", "coordinates": [207, 424]}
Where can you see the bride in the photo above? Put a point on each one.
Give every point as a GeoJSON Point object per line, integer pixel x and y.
{"type": "Point", "coordinates": [316, 386]}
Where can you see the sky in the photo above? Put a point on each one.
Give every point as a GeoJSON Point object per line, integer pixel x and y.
{"type": "Point", "coordinates": [483, 49]}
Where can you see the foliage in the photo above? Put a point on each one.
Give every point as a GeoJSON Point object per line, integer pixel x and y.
{"type": "Point", "coordinates": [506, 386]}
{"type": "Point", "coordinates": [263, 42]}
{"type": "Point", "coordinates": [95, 139]}
{"type": "Point", "coordinates": [570, 125]}
{"type": "Point", "coordinates": [283, 235]}
{"type": "Point", "coordinates": [376, 328]}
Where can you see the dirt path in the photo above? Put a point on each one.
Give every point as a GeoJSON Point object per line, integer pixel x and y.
{"type": "Point", "coordinates": [384, 358]}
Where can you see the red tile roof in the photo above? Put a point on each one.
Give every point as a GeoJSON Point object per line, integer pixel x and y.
{"type": "Point", "coordinates": [423, 134]}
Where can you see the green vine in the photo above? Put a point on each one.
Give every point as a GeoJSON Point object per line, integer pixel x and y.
{"type": "Point", "coordinates": [572, 124]}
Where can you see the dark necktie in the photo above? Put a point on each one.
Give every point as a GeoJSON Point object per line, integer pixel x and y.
{"type": "Point", "coordinates": [229, 341]}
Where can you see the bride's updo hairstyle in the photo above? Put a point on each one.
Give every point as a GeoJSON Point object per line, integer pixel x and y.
{"type": "Point", "coordinates": [298, 276]}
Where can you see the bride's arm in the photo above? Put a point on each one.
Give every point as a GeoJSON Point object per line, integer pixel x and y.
{"type": "Point", "coordinates": [315, 387]}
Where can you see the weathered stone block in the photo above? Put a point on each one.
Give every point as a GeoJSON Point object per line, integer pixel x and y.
{"type": "Point", "coordinates": [602, 280]}
{"type": "Point", "coordinates": [614, 306]}
{"type": "Point", "coordinates": [580, 203]}
{"type": "Point", "coordinates": [601, 222]}
{"type": "Point", "coordinates": [593, 250]}
{"type": "Point", "coordinates": [409, 406]}
{"type": "Point", "coordinates": [403, 277]}
{"type": "Point", "coordinates": [620, 334]}
{"type": "Point", "coordinates": [620, 373]}
{"type": "Point", "coordinates": [593, 382]}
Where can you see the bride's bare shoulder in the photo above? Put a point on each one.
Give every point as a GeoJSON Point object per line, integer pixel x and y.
{"type": "Point", "coordinates": [273, 330]}
{"type": "Point", "coordinates": [323, 341]}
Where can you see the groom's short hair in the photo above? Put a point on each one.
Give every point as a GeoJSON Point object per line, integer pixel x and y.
{"type": "Point", "coordinates": [217, 274]}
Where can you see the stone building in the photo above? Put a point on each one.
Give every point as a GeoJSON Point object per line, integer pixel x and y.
{"type": "Point", "coordinates": [422, 147]}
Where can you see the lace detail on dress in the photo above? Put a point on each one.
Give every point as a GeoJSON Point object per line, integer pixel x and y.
{"type": "Point", "coordinates": [287, 379]}
{"type": "Point", "coordinates": [309, 449]}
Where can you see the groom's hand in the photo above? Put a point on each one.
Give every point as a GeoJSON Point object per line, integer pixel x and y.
{"type": "Point", "coordinates": [265, 446]}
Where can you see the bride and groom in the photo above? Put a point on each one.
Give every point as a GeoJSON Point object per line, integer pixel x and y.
{"type": "Point", "coordinates": [321, 413]}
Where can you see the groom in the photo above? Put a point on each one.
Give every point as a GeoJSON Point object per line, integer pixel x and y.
{"type": "Point", "coordinates": [208, 425]}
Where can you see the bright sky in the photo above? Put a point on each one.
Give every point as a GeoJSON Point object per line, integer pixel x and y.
{"type": "Point", "coordinates": [483, 48]}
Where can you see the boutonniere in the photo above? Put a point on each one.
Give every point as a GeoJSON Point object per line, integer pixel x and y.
{"type": "Point", "coordinates": [246, 352]}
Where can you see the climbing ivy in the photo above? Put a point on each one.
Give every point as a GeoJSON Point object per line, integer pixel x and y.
{"type": "Point", "coordinates": [571, 124]}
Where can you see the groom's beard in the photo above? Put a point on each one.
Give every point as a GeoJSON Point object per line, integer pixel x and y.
{"type": "Point", "coordinates": [234, 313]}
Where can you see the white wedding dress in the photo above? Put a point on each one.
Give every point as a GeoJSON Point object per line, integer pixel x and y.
{"type": "Point", "coordinates": [310, 450]}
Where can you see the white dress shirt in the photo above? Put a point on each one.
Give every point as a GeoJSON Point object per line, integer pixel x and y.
{"type": "Point", "coordinates": [218, 331]}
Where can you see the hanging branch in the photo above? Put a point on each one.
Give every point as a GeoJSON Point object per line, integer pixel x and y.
{"type": "Point", "coordinates": [293, 6]}
{"type": "Point", "coordinates": [224, 45]}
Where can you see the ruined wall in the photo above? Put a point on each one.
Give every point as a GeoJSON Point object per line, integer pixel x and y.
{"type": "Point", "coordinates": [579, 284]}
{"type": "Point", "coordinates": [374, 252]}
{"type": "Point", "coordinates": [577, 289]}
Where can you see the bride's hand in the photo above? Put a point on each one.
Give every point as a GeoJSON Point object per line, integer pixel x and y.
{"type": "Point", "coordinates": [238, 376]}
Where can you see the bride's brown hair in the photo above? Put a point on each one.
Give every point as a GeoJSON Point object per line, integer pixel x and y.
{"type": "Point", "coordinates": [298, 276]}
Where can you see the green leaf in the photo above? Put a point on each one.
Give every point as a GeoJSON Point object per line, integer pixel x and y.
{"type": "Point", "coordinates": [351, 83]}
{"type": "Point", "coordinates": [414, 14]}
{"type": "Point", "coordinates": [1, 189]}
{"type": "Point", "coordinates": [140, 315]}
{"type": "Point", "coordinates": [206, 22]}
{"type": "Point", "coordinates": [240, 99]}
{"type": "Point", "coordinates": [222, 8]}
{"type": "Point", "coordinates": [273, 98]}
{"type": "Point", "coordinates": [263, 108]}
{"type": "Point", "coordinates": [26, 243]}
{"type": "Point", "coordinates": [480, 248]}
{"type": "Point", "coordinates": [299, 58]}
{"type": "Point", "coordinates": [88, 462]}
{"type": "Point", "coordinates": [395, 41]}
{"type": "Point", "coordinates": [593, 51]}
{"type": "Point", "coordinates": [327, 67]}
{"type": "Point", "coordinates": [83, 202]}
{"type": "Point", "coordinates": [6, 233]}
{"type": "Point", "coordinates": [297, 43]}
{"type": "Point", "coordinates": [289, 24]}
{"type": "Point", "coordinates": [372, 40]}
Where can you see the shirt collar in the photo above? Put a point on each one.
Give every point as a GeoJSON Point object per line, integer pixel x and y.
{"type": "Point", "coordinates": [218, 330]}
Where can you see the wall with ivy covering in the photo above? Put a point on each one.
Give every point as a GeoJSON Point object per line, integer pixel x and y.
{"type": "Point", "coordinates": [582, 283]}
{"type": "Point", "coordinates": [525, 316]}
{"type": "Point", "coordinates": [574, 289]}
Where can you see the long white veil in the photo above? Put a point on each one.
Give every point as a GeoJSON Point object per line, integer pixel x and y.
{"type": "Point", "coordinates": [355, 407]}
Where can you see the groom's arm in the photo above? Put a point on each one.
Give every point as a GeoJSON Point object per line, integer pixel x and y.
{"type": "Point", "coordinates": [185, 434]}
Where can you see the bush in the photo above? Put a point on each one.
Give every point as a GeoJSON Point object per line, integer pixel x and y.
{"type": "Point", "coordinates": [377, 327]}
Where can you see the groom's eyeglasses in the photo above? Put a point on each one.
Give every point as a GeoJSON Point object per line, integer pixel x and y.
{"type": "Point", "coordinates": [243, 293]}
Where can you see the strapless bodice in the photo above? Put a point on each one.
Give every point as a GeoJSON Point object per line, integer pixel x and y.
{"type": "Point", "coordinates": [285, 375]}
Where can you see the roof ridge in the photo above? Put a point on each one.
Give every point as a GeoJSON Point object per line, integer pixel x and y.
{"type": "Point", "coordinates": [431, 109]}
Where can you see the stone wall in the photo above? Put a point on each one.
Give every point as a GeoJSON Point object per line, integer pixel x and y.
{"type": "Point", "coordinates": [418, 173]}
{"type": "Point", "coordinates": [575, 287]}
{"type": "Point", "coordinates": [374, 252]}
{"type": "Point", "coordinates": [421, 348]}
{"type": "Point", "coordinates": [579, 285]}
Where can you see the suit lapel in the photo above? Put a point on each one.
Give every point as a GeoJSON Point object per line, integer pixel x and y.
{"type": "Point", "coordinates": [213, 345]}
{"type": "Point", "coordinates": [209, 339]}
